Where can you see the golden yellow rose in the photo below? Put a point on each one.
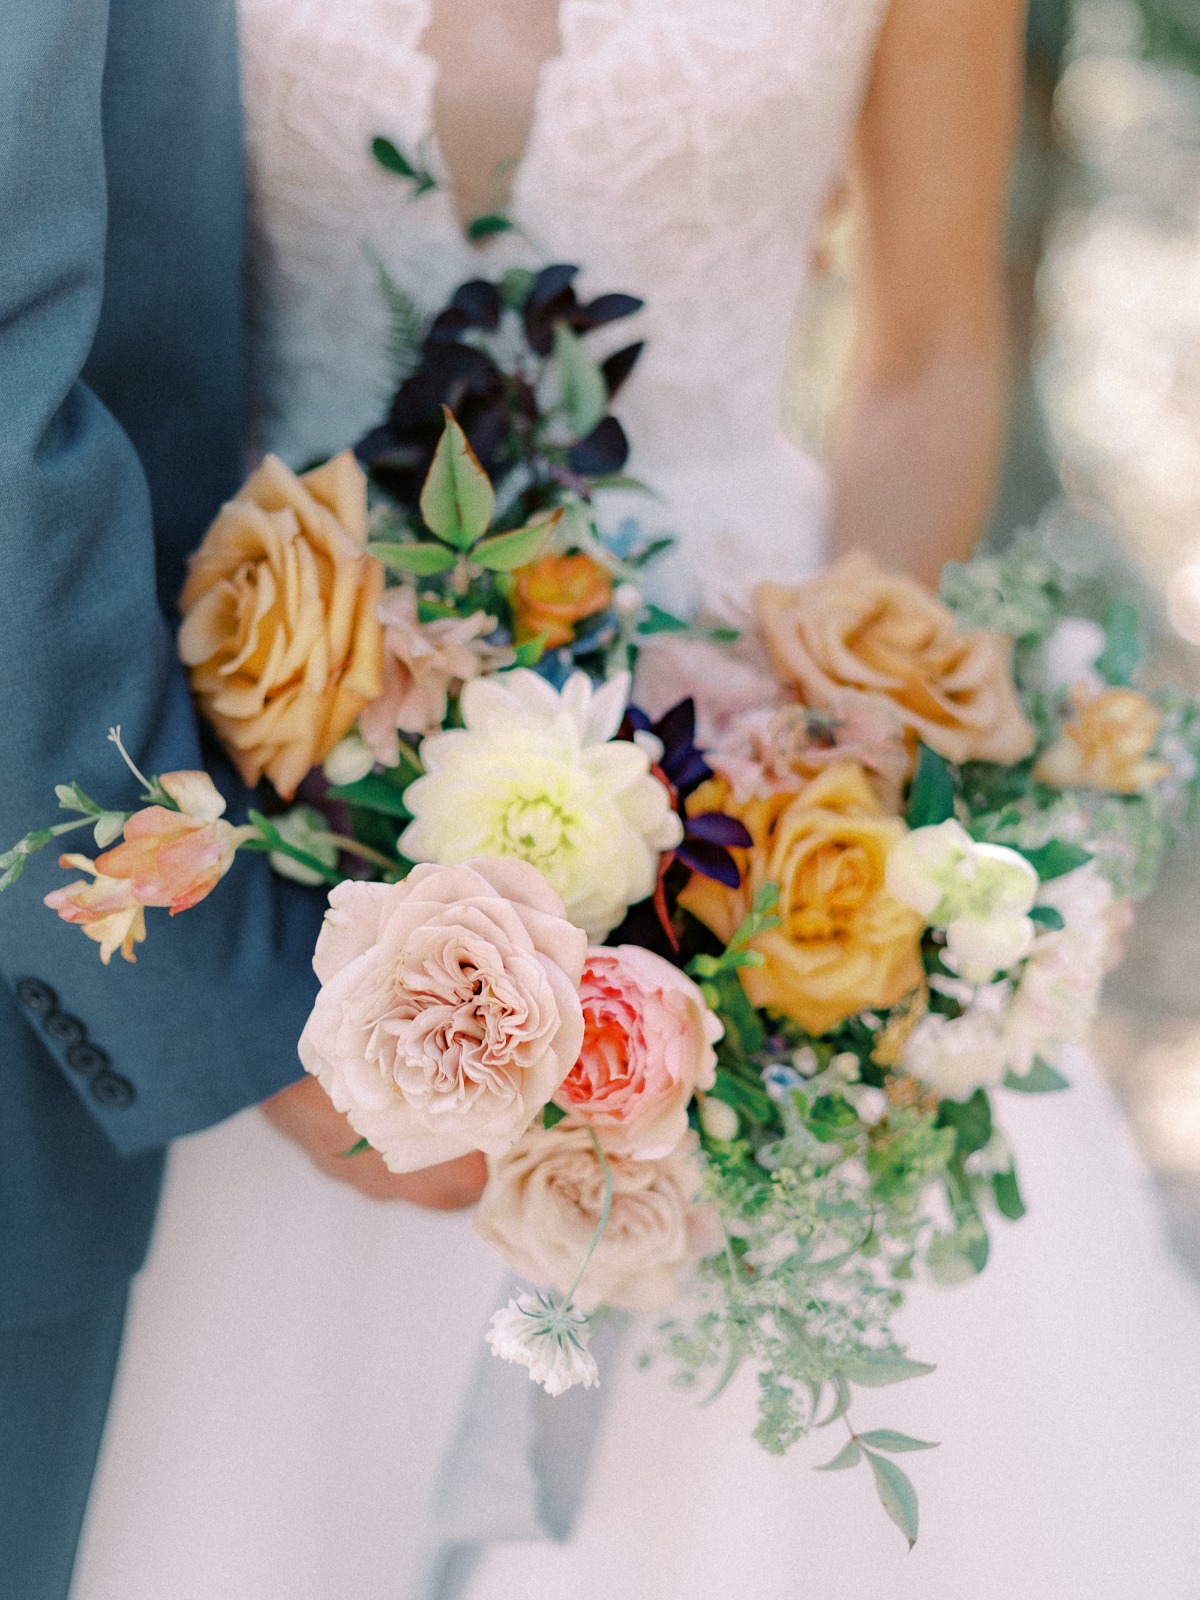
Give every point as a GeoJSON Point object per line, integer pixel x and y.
{"type": "Point", "coordinates": [843, 943]}
{"type": "Point", "coordinates": [1107, 746]}
{"type": "Point", "coordinates": [555, 592]}
{"type": "Point", "coordinates": [279, 628]}
{"type": "Point", "coordinates": [856, 626]}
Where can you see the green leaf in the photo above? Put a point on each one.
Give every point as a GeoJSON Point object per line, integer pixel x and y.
{"type": "Point", "coordinates": [1056, 859]}
{"type": "Point", "coordinates": [504, 552]}
{"type": "Point", "coordinates": [1118, 661]}
{"type": "Point", "coordinates": [392, 159]}
{"type": "Point", "coordinates": [1041, 1078]}
{"type": "Point", "coordinates": [622, 480]}
{"type": "Point", "coordinates": [1008, 1195]}
{"type": "Point", "coordinates": [457, 501]}
{"type": "Point", "coordinates": [1047, 917]}
{"type": "Point", "coordinates": [488, 226]}
{"type": "Point", "coordinates": [13, 864]}
{"type": "Point", "coordinates": [552, 1115]}
{"type": "Point", "coordinates": [724, 635]}
{"type": "Point", "coordinates": [422, 560]}
{"type": "Point", "coordinates": [278, 844]}
{"type": "Point", "coordinates": [531, 652]}
{"type": "Point", "coordinates": [354, 1150]}
{"type": "Point", "coordinates": [583, 392]}
{"type": "Point", "coordinates": [896, 1495]}
{"type": "Point", "coordinates": [897, 1443]}
{"type": "Point", "coordinates": [841, 1403]}
{"type": "Point", "coordinates": [516, 286]}
{"type": "Point", "coordinates": [879, 1372]}
{"type": "Point", "coordinates": [832, 1117]}
{"type": "Point", "coordinates": [657, 620]}
{"type": "Point", "coordinates": [848, 1456]}
{"type": "Point", "coordinates": [72, 798]}
{"type": "Point", "coordinates": [374, 793]}
{"type": "Point", "coordinates": [931, 797]}
{"type": "Point", "coordinates": [971, 1120]}
{"type": "Point", "coordinates": [405, 325]}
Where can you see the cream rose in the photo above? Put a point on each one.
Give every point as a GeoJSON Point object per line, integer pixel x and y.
{"type": "Point", "coordinates": [279, 630]}
{"type": "Point", "coordinates": [856, 626]}
{"type": "Point", "coordinates": [448, 1012]}
{"type": "Point", "coordinates": [647, 1047]}
{"type": "Point", "coordinates": [542, 1206]}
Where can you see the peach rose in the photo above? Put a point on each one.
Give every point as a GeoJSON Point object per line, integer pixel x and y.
{"type": "Point", "coordinates": [542, 1206]}
{"type": "Point", "coordinates": [1107, 745]}
{"type": "Point", "coordinates": [279, 629]}
{"type": "Point", "coordinates": [647, 1047]}
{"type": "Point", "coordinates": [176, 858]}
{"type": "Point", "coordinates": [422, 662]}
{"type": "Point", "coordinates": [856, 626]}
{"type": "Point", "coordinates": [555, 592]}
{"type": "Point", "coordinates": [448, 1013]}
{"type": "Point", "coordinates": [105, 909]}
{"type": "Point", "coordinates": [843, 943]}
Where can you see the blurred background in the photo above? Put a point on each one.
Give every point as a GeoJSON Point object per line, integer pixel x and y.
{"type": "Point", "coordinates": [1103, 451]}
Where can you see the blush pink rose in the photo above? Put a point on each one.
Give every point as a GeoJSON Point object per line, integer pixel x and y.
{"type": "Point", "coordinates": [449, 1012]}
{"type": "Point", "coordinates": [647, 1047]}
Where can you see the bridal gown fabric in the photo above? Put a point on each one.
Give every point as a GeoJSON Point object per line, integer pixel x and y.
{"type": "Point", "coordinates": [305, 1410]}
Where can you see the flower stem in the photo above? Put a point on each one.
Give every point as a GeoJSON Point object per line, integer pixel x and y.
{"type": "Point", "coordinates": [353, 848]}
{"type": "Point", "coordinates": [114, 735]}
{"type": "Point", "coordinates": [603, 1223]}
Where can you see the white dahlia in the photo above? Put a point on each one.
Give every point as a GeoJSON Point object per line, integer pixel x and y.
{"type": "Point", "coordinates": [535, 773]}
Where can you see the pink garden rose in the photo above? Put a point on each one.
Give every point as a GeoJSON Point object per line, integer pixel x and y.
{"type": "Point", "coordinates": [542, 1206]}
{"type": "Point", "coordinates": [647, 1047]}
{"type": "Point", "coordinates": [449, 1012]}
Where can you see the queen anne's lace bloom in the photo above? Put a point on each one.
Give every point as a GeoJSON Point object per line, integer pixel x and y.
{"type": "Point", "coordinates": [536, 773]}
{"type": "Point", "coordinates": [550, 1340]}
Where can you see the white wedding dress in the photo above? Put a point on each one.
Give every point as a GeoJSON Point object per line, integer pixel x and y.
{"type": "Point", "coordinates": [304, 1410]}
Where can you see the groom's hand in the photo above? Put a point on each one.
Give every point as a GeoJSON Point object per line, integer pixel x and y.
{"type": "Point", "coordinates": [305, 1113]}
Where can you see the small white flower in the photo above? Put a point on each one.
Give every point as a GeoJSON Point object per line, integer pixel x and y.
{"type": "Point", "coordinates": [305, 829]}
{"type": "Point", "coordinates": [537, 774]}
{"type": "Point", "coordinates": [980, 893]}
{"type": "Point", "coordinates": [348, 761]}
{"type": "Point", "coordinates": [549, 1339]}
{"type": "Point", "coordinates": [718, 1118]}
{"type": "Point", "coordinates": [1070, 654]}
{"type": "Point", "coordinates": [957, 1055]}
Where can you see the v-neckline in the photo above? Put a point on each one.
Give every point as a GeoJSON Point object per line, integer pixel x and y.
{"type": "Point", "coordinates": [450, 181]}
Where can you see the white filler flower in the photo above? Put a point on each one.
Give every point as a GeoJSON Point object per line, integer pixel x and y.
{"type": "Point", "coordinates": [980, 893]}
{"type": "Point", "coordinates": [551, 1340]}
{"type": "Point", "coordinates": [535, 773]}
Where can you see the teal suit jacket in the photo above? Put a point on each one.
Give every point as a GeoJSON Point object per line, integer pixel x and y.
{"type": "Point", "coordinates": [121, 431]}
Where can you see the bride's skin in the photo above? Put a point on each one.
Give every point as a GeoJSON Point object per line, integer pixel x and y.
{"type": "Point", "coordinates": [917, 453]}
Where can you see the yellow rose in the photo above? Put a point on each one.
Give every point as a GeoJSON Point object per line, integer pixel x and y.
{"type": "Point", "coordinates": [843, 943]}
{"type": "Point", "coordinates": [279, 628]}
{"type": "Point", "coordinates": [856, 626]}
{"type": "Point", "coordinates": [1107, 745]}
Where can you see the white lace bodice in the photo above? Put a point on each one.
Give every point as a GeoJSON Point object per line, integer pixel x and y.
{"type": "Point", "coordinates": [680, 150]}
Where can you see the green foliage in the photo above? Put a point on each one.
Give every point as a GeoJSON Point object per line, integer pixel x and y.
{"type": "Point", "coordinates": [895, 1443]}
{"type": "Point", "coordinates": [457, 501]}
{"type": "Point", "coordinates": [504, 552]}
{"type": "Point", "coordinates": [896, 1495]}
{"type": "Point", "coordinates": [406, 326]}
{"type": "Point", "coordinates": [376, 792]}
{"type": "Point", "coordinates": [392, 159]}
{"type": "Point", "coordinates": [488, 225]}
{"type": "Point", "coordinates": [552, 1115]}
{"type": "Point", "coordinates": [848, 1456]}
{"type": "Point", "coordinates": [1056, 858]}
{"type": "Point", "coordinates": [583, 393]}
{"type": "Point", "coordinates": [931, 797]}
{"type": "Point", "coordinates": [419, 560]}
{"type": "Point", "coordinates": [657, 620]}
{"type": "Point", "coordinates": [1123, 650]}
{"type": "Point", "coordinates": [1041, 1078]}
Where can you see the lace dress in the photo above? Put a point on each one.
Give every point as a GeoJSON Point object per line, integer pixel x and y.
{"type": "Point", "coordinates": [304, 1412]}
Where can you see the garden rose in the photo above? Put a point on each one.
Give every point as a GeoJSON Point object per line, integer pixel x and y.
{"type": "Point", "coordinates": [647, 1047]}
{"type": "Point", "coordinates": [555, 592]}
{"type": "Point", "coordinates": [542, 1206]}
{"type": "Point", "coordinates": [448, 1012]}
{"type": "Point", "coordinates": [279, 631]}
{"type": "Point", "coordinates": [535, 773]}
{"type": "Point", "coordinates": [422, 662]}
{"type": "Point", "coordinates": [1107, 746]}
{"type": "Point", "coordinates": [856, 626]}
{"type": "Point", "coordinates": [844, 943]}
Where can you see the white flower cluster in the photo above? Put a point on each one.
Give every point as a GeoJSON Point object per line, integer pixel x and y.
{"type": "Point", "coordinates": [549, 1339]}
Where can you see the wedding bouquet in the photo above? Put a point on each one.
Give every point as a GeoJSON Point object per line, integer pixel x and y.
{"type": "Point", "coordinates": [729, 990]}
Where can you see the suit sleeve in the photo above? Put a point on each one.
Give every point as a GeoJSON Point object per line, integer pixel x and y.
{"type": "Point", "coordinates": [207, 1020]}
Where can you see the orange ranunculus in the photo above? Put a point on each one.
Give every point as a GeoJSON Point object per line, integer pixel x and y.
{"type": "Point", "coordinates": [279, 630]}
{"type": "Point", "coordinates": [555, 592]}
{"type": "Point", "coordinates": [106, 909]}
{"type": "Point", "coordinates": [1107, 746]}
{"type": "Point", "coordinates": [843, 943]}
{"type": "Point", "coordinates": [176, 858]}
{"type": "Point", "coordinates": [856, 626]}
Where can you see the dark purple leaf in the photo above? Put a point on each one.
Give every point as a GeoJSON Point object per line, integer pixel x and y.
{"type": "Point", "coordinates": [677, 727]}
{"type": "Point", "coordinates": [688, 771]}
{"type": "Point", "coordinates": [717, 828]}
{"type": "Point", "coordinates": [606, 308]}
{"type": "Point", "coordinates": [619, 365]}
{"type": "Point", "coordinates": [447, 325]}
{"type": "Point", "coordinates": [605, 449]}
{"type": "Point", "coordinates": [479, 301]}
{"type": "Point", "coordinates": [551, 281]}
{"type": "Point", "coordinates": [711, 861]}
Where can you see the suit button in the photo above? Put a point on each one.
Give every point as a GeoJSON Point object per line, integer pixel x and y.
{"type": "Point", "coordinates": [37, 997]}
{"type": "Point", "coordinates": [87, 1059]}
{"type": "Point", "coordinates": [63, 1028]}
{"type": "Point", "coordinates": [112, 1090]}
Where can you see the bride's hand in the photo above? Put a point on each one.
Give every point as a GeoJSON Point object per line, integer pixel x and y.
{"type": "Point", "coordinates": [304, 1112]}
